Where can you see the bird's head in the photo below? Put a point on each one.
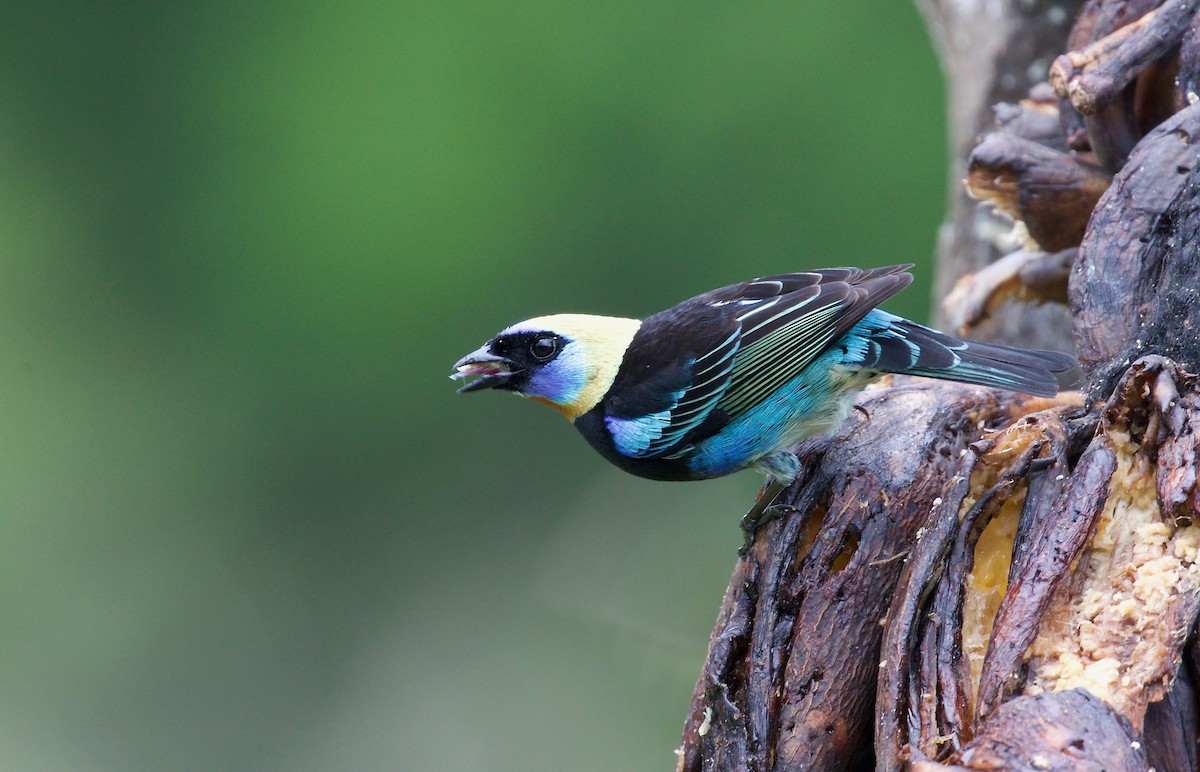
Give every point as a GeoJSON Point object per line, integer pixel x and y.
{"type": "Point", "coordinates": [567, 361]}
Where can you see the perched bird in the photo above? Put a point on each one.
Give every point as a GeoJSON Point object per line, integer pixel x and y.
{"type": "Point", "coordinates": [733, 378]}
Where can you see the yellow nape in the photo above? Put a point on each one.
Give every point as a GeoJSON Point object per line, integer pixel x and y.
{"type": "Point", "coordinates": [602, 340]}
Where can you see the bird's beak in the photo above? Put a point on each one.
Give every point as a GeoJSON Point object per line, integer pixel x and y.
{"type": "Point", "coordinates": [494, 371]}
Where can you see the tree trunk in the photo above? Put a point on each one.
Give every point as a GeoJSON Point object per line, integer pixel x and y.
{"type": "Point", "coordinates": [965, 578]}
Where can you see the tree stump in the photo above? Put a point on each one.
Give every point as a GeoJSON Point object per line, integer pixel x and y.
{"type": "Point", "coordinates": [965, 578]}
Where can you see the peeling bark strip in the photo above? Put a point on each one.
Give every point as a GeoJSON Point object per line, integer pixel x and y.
{"type": "Point", "coordinates": [1049, 190]}
{"type": "Point", "coordinates": [1115, 81]}
{"type": "Point", "coordinates": [1093, 76]}
{"type": "Point", "coordinates": [964, 579]}
{"type": "Point", "coordinates": [1054, 527]}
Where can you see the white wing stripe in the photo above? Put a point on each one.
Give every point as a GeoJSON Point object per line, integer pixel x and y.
{"type": "Point", "coordinates": [786, 312]}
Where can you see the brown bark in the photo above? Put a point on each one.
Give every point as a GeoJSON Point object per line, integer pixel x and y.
{"type": "Point", "coordinates": [964, 578]}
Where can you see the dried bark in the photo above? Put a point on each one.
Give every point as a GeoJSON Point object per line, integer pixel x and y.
{"type": "Point", "coordinates": [969, 579]}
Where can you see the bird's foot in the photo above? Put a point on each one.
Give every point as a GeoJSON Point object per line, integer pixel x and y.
{"type": "Point", "coordinates": [763, 512]}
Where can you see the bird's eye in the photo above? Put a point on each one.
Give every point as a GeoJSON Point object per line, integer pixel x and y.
{"type": "Point", "coordinates": [544, 347]}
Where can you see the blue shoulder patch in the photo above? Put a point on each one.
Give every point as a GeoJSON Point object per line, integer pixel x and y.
{"type": "Point", "coordinates": [643, 436]}
{"type": "Point", "coordinates": [633, 436]}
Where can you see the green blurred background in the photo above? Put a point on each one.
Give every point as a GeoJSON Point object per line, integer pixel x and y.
{"type": "Point", "coordinates": [246, 521]}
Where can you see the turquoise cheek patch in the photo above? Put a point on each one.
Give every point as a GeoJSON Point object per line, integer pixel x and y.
{"type": "Point", "coordinates": [560, 381]}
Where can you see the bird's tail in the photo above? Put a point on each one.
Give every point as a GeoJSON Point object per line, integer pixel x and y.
{"type": "Point", "coordinates": [896, 345]}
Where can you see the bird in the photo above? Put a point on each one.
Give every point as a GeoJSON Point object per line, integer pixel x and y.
{"type": "Point", "coordinates": [732, 379]}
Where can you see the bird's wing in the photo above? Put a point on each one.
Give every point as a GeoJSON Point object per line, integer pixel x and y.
{"type": "Point", "coordinates": [694, 367]}
{"type": "Point", "coordinates": [783, 334]}
{"type": "Point", "coordinates": [675, 369]}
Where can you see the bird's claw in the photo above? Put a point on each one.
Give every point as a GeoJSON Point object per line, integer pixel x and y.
{"type": "Point", "coordinates": [763, 512]}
